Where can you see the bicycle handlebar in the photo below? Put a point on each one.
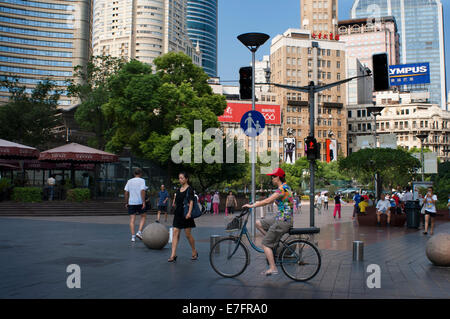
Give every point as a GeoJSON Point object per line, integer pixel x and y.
{"type": "Point", "coordinates": [244, 212]}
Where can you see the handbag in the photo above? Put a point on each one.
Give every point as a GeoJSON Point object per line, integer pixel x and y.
{"type": "Point", "coordinates": [196, 212]}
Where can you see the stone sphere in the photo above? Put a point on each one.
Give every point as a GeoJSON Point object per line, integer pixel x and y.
{"type": "Point", "coordinates": [155, 236]}
{"type": "Point", "coordinates": [438, 250]}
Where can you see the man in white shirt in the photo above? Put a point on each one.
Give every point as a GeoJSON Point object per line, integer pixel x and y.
{"type": "Point", "coordinates": [135, 202]}
{"type": "Point", "coordinates": [51, 182]}
{"type": "Point", "coordinates": [325, 201]}
{"type": "Point", "coordinates": [383, 207]}
{"type": "Point", "coordinates": [408, 195]}
{"type": "Point", "coordinates": [318, 199]}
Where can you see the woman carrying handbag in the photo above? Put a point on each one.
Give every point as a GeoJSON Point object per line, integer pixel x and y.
{"type": "Point", "coordinates": [180, 221]}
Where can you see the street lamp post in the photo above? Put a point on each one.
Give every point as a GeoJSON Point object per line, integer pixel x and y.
{"type": "Point", "coordinates": [253, 41]}
{"type": "Point", "coordinates": [312, 89]}
{"type": "Point", "coordinates": [422, 137]}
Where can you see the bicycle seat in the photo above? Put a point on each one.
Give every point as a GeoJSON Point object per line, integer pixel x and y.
{"type": "Point", "coordinates": [304, 231]}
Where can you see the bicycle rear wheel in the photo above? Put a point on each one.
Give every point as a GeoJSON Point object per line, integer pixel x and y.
{"type": "Point", "coordinates": [300, 260]}
{"type": "Point", "coordinates": [229, 257]}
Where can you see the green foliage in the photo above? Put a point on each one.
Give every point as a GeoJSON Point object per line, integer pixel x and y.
{"type": "Point", "coordinates": [78, 194]}
{"type": "Point", "coordinates": [29, 118]}
{"type": "Point", "coordinates": [5, 184]}
{"type": "Point", "coordinates": [395, 166]}
{"type": "Point", "coordinates": [442, 184]}
{"type": "Point", "coordinates": [27, 194]}
{"type": "Point", "coordinates": [90, 85]}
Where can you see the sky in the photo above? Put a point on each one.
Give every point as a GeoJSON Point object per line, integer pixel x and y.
{"type": "Point", "coordinates": [272, 17]}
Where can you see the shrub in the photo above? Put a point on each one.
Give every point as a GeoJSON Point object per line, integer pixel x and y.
{"type": "Point", "coordinates": [5, 188]}
{"type": "Point", "coordinates": [27, 194]}
{"type": "Point", "coordinates": [78, 194]}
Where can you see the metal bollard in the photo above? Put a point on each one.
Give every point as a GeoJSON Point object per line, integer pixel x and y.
{"type": "Point", "coordinates": [358, 250]}
{"type": "Point", "coordinates": [213, 240]}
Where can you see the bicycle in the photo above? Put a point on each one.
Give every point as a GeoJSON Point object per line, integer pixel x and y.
{"type": "Point", "coordinates": [299, 259]}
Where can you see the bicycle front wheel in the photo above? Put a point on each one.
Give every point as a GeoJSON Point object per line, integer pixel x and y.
{"type": "Point", "coordinates": [300, 260]}
{"type": "Point", "coordinates": [229, 257]}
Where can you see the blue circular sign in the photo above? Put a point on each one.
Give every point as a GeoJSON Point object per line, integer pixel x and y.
{"type": "Point", "coordinates": [253, 123]}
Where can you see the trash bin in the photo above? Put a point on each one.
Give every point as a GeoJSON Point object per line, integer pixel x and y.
{"type": "Point", "coordinates": [412, 209]}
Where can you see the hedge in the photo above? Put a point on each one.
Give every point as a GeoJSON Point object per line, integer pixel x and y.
{"type": "Point", "coordinates": [78, 194]}
{"type": "Point", "coordinates": [27, 194]}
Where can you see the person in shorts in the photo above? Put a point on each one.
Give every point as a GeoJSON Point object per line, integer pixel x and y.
{"type": "Point", "coordinates": [163, 199]}
{"type": "Point", "coordinates": [430, 210]}
{"type": "Point", "coordinates": [135, 190]}
{"type": "Point", "coordinates": [274, 228]}
{"type": "Point", "coordinates": [383, 207]}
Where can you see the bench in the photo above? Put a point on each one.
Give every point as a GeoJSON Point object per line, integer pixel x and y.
{"type": "Point", "coordinates": [370, 218]}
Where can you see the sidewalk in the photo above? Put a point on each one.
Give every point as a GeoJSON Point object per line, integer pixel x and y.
{"type": "Point", "coordinates": [35, 252]}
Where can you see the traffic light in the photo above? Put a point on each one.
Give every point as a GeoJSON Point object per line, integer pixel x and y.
{"type": "Point", "coordinates": [312, 148]}
{"type": "Point", "coordinates": [380, 72]}
{"type": "Point", "coordinates": [245, 82]}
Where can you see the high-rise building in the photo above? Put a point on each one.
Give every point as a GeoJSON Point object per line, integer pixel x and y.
{"type": "Point", "coordinates": [421, 28]}
{"type": "Point", "coordinates": [202, 17]}
{"type": "Point", "coordinates": [43, 39]}
{"type": "Point", "coordinates": [141, 29]}
{"type": "Point", "coordinates": [363, 39]}
{"type": "Point", "coordinates": [296, 58]}
{"type": "Point", "coordinates": [319, 16]}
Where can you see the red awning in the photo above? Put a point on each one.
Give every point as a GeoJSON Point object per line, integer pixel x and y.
{"type": "Point", "coordinates": [77, 153]}
{"type": "Point", "coordinates": [10, 150]}
{"type": "Point", "coordinates": [35, 164]}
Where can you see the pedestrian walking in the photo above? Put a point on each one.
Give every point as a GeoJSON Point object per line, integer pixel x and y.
{"type": "Point", "coordinates": [325, 201]}
{"type": "Point", "coordinates": [430, 210]}
{"type": "Point", "coordinates": [208, 198]}
{"type": "Point", "coordinates": [357, 199]}
{"type": "Point", "coordinates": [318, 200]}
{"type": "Point", "coordinates": [337, 205]}
{"type": "Point", "coordinates": [231, 204]}
{"type": "Point", "coordinates": [135, 190]}
{"type": "Point", "coordinates": [185, 192]}
{"type": "Point", "coordinates": [295, 203]}
{"type": "Point", "coordinates": [51, 182]}
{"type": "Point", "coordinates": [216, 202]}
{"type": "Point", "coordinates": [163, 200]}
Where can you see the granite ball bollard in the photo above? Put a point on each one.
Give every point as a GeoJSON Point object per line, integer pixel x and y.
{"type": "Point", "coordinates": [155, 236]}
{"type": "Point", "coordinates": [438, 250]}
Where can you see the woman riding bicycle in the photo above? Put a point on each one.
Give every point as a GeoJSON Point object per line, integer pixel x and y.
{"type": "Point", "coordinates": [274, 228]}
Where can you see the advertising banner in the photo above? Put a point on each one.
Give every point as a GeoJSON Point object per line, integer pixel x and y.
{"type": "Point", "coordinates": [331, 150]}
{"type": "Point", "coordinates": [234, 112]}
{"type": "Point", "coordinates": [289, 150]}
{"type": "Point", "coordinates": [408, 74]}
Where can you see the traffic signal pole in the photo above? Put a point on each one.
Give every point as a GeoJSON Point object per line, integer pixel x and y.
{"type": "Point", "coordinates": [312, 89]}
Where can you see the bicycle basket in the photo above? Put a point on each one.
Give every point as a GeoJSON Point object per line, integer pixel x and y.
{"type": "Point", "coordinates": [234, 225]}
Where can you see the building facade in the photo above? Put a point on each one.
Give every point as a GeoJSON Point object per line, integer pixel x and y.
{"type": "Point", "coordinates": [363, 39]}
{"type": "Point", "coordinates": [421, 28]}
{"type": "Point", "coordinates": [202, 19]}
{"type": "Point", "coordinates": [295, 62]}
{"type": "Point", "coordinates": [142, 29]}
{"type": "Point", "coordinates": [319, 16]}
{"type": "Point", "coordinates": [43, 39]}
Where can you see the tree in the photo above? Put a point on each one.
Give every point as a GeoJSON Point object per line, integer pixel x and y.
{"type": "Point", "coordinates": [90, 87]}
{"type": "Point", "coordinates": [145, 108]}
{"type": "Point", "coordinates": [395, 167]}
{"type": "Point", "coordinates": [30, 118]}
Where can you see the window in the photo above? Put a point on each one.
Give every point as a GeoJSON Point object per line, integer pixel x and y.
{"type": "Point", "coordinates": [363, 113]}
{"type": "Point", "coordinates": [349, 127]}
{"type": "Point", "coordinates": [328, 52]}
{"type": "Point", "coordinates": [338, 64]}
{"type": "Point", "coordinates": [338, 53]}
{"type": "Point", "coordinates": [359, 126]}
{"type": "Point", "coordinates": [349, 114]}
{"type": "Point", "coordinates": [339, 122]}
{"type": "Point", "coordinates": [358, 113]}
{"type": "Point", "coordinates": [338, 76]}
{"type": "Point", "coordinates": [319, 134]}
{"type": "Point", "coordinates": [396, 125]}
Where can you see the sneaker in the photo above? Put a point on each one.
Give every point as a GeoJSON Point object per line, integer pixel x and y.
{"type": "Point", "coordinates": [139, 235]}
{"type": "Point", "coordinates": [133, 238]}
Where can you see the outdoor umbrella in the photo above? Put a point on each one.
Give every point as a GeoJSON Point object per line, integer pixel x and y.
{"type": "Point", "coordinates": [10, 150]}
{"type": "Point", "coordinates": [74, 153]}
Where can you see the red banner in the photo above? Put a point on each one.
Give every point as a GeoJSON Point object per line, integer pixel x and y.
{"type": "Point", "coordinates": [235, 111]}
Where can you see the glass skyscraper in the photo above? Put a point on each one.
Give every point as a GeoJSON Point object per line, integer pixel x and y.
{"type": "Point", "coordinates": [421, 29]}
{"type": "Point", "coordinates": [202, 29]}
{"type": "Point", "coordinates": [43, 39]}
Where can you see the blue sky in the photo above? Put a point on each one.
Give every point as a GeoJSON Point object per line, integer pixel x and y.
{"type": "Point", "coordinates": [271, 17]}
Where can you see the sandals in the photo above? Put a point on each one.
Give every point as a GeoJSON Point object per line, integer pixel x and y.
{"type": "Point", "coordinates": [269, 272]}
{"type": "Point", "coordinates": [172, 259]}
{"type": "Point", "coordinates": [195, 257]}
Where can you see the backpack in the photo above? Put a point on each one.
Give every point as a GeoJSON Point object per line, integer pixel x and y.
{"type": "Point", "coordinates": [196, 210]}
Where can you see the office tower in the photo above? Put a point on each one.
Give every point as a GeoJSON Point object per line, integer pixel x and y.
{"type": "Point", "coordinates": [421, 28]}
{"type": "Point", "coordinates": [43, 39]}
{"type": "Point", "coordinates": [141, 29]}
{"type": "Point", "coordinates": [202, 17]}
{"type": "Point", "coordinates": [319, 16]}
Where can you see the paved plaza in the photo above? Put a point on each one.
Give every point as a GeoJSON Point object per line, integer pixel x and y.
{"type": "Point", "coordinates": [35, 252]}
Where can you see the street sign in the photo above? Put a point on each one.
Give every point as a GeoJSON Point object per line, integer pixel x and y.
{"type": "Point", "coordinates": [253, 123]}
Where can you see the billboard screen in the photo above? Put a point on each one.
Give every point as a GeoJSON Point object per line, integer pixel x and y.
{"type": "Point", "coordinates": [235, 111]}
{"type": "Point", "coordinates": [289, 150]}
{"type": "Point", "coordinates": [407, 74]}
{"type": "Point", "coordinates": [331, 150]}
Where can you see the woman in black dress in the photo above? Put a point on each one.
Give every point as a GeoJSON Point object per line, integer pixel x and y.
{"type": "Point", "coordinates": [180, 221]}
